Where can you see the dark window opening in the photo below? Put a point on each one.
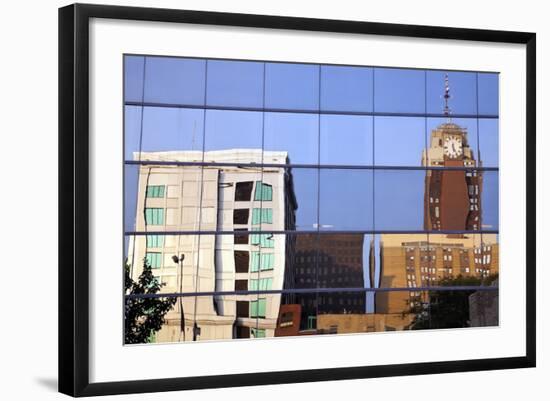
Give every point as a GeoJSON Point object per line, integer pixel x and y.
{"type": "Point", "coordinates": [242, 308]}
{"type": "Point", "coordinates": [287, 319]}
{"type": "Point", "coordinates": [241, 261]}
{"type": "Point", "coordinates": [243, 191]}
{"type": "Point", "coordinates": [240, 216]}
{"type": "Point", "coordinates": [241, 237]}
{"type": "Point", "coordinates": [241, 285]}
{"type": "Point", "coordinates": [243, 332]}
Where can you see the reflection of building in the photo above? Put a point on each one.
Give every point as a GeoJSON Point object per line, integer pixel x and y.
{"type": "Point", "coordinates": [419, 260]}
{"type": "Point", "coordinates": [452, 198]}
{"type": "Point", "coordinates": [289, 322]}
{"type": "Point", "coordinates": [327, 261]}
{"type": "Point", "coordinates": [363, 323]}
{"type": "Point", "coordinates": [452, 202]}
{"type": "Point", "coordinates": [243, 199]}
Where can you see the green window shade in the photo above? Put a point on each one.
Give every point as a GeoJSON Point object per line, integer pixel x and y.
{"type": "Point", "coordinates": [155, 241]}
{"type": "Point", "coordinates": [262, 216]}
{"type": "Point", "coordinates": [265, 261]}
{"type": "Point", "coordinates": [153, 259]}
{"type": "Point", "coordinates": [264, 192]}
{"type": "Point", "coordinates": [257, 308]}
{"type": "Point", "coordinates": [255, 238]}
{"type": "Point", "coordinates": [258, 333]}
{"type": "Point", "coordinates": [256, 216]}
{"type": "Point", "coordinates": [265, 284]}
{"type": "Point", "coordinates": [262, 284]}
{"type": "Point", "coordinates": [254, 309]}
{"type": "Point", "coordinates": [154, 215]}
{"type": "Point", "coordinates": [264, 240]}
{"type": "Point", "coordinates": [267, 215]}
{"type": "Point", "coordinates": [155, 191]}
{"type": "Point", "coordinates": [255, 262]}
{"type": "Point", "coordinates": [261, 307]}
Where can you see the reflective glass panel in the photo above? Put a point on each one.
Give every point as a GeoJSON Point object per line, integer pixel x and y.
{"type": "Point", "coordinates": [292, 86]}
{"type": "Point", "coordinates": [461, 89]}
{"type": "Point", "coordinates": [132, 131]}
{"type": "Point", "coordinates": [174, 134]}
{"type": "Point", "coordinates": [171, 80]}
{"type": "Point", "coordinates": [346, 140]}
{"type": "Point", "coordinates": [346, 199]}
{"type": "Point", "coordinates": [291, 138]}
{"type": "Point", "coordinates": [489, 142]}
{"type": "Point", "coordinates": [399, 141]}
{"type": "Point", "coordinates": [300, 198]}
{"type": "Point", "coordinates": [237, 133]}
{"type": "Point", "coordinates": [399, 90]}
{"type": "Point", "coordinates": [235, 84]}
{"type": "Point", "coordinates": [131, 182]}
{"type": "Point", "coordinates": [399, 199]}
{"type": "Point", "coordinates": [228, 201]}
{"type": "Point", "coordinates": [343, 261]}
{"type": "Point", "coordinates": [488, 93]}
{"type": "Point", "coordinates": [133, 78]}
{"type": "Point", "coordinates": [346, 88]}
{"type": "Point", "coordinates": [452, 143]}
{"type": "Point", "coordinates": [489, 200]}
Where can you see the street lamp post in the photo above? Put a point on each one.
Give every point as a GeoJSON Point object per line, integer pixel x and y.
{"type": "Point", "coordinates": [179, 260]}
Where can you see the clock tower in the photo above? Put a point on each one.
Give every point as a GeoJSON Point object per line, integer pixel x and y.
{"type": "Point", "coordinates": [452, 196]}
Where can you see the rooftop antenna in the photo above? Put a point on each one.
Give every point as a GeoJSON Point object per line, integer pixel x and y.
{"type": "Point", "coordinates": [447, 96]}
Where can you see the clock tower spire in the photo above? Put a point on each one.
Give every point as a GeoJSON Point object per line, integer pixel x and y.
{"type": "Point", "coordinates": [447, 96]}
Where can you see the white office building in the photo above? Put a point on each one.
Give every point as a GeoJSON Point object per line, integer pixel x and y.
{"type": "Point", "coordinates": [182, 200]}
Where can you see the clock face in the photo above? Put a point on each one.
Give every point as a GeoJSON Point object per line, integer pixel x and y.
{"type": "Point", "coordinates": [453, 147]}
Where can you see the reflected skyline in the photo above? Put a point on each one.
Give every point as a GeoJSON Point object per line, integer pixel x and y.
{"type": "Point", "coordinates": [299, 222]}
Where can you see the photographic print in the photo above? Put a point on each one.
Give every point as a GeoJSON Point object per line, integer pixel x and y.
{"type": "Point", "coordinates": [277, 199]}
{"type": "Point", "coordinates": [251, 189]}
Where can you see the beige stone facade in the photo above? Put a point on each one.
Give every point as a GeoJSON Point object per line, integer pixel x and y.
{"type": "Point", "coordinates": [421, 260]}
{"type": "Point", "coordinates": [363, 323]}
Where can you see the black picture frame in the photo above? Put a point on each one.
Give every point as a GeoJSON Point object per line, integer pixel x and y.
{"type": "Point", "coordinates": [74, 198]}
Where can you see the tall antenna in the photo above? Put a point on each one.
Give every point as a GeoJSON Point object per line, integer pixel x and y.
{"type": "Point", "coordinates": [447, 96]}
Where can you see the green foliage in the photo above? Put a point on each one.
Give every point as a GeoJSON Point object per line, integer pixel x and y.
{"type": "Point", "coordinates": [143, 316]}
{"type": "Point", "coordinates": [448, 309]}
